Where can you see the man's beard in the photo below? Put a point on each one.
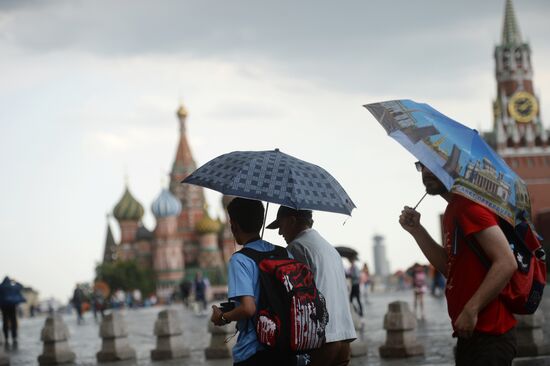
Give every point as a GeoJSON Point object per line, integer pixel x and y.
{"type": "Point", "coordinates": [434, 186]}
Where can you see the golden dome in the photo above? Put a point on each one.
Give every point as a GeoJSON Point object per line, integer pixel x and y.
{"type": "Point", "coordinates": [182, 112]}
{"type": "Point", "coordinates": [208, 226]}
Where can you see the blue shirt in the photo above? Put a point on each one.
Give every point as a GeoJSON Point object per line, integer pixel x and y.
{"type": "Point", "coordinates": [244, 280]}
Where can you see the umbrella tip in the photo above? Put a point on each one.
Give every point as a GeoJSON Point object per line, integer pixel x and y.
{"type": "Point", "coordinates": [277, 149]}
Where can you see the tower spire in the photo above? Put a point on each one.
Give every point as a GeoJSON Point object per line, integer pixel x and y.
{"type": "Point", "coordinates": [510, 28]}
{"type": "Point", "coordinates": [191, 197]}
{"type": "Point", "coordinates": [110, 250]}
{"type": "Point", "coordinates": [184, 163]}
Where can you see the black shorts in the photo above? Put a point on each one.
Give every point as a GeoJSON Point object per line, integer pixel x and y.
{"type": "Point", "coordinates": [483, 349]}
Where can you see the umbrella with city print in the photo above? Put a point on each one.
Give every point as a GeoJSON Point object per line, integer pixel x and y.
{"type": "Point", "coordinates": [457, 155]}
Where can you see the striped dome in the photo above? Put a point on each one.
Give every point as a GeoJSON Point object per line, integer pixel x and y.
{"type": "Point", "coordinates": [166, 205]}
{"type": "Point", "coordinates": [128, 209]}
{"type": "Point", "coordinates": [207, 225]}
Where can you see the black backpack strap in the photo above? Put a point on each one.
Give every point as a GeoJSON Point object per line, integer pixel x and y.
{"type": "Point", "coordinates": [257, 256]}
{"type": "Point", "coordinates": [472, 244]}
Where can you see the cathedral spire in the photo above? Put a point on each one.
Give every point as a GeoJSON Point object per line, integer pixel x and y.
{"type": "Point", "coordinates": [184, 163]}
{"type": "Point", "coordinates": [191, 197]}
{"type": "Point", "coordinates": [109, 253]}
{"type": "Point", "coordinates": [510, 28]}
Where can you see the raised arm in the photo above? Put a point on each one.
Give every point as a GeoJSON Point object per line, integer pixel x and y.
{"type": "Point", "coordinates": [435, 253]}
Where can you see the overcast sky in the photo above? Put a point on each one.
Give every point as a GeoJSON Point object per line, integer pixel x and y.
{"type": "Point", "coordinates": [89, 91]}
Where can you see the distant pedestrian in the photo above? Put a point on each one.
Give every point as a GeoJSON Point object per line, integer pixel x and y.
{"type": "Point", "coordinates": [98, 303]}
{"type": "Point", "coordinates": [355, 276]}
{"type": "Point", "coordinates": [365, 280]}
{"type": "Point", "coordinates": [200, 289]}
{"type": "Point", "coordinates": [438, 283]}
{"type": "Point", "coordinates": [419, 288]}
{"type": "Point", "coordinates": [185, 289]}
{"type": "Point", "coordinates": [10, 297]}
{"type": "Point", "coordinates": [78, 299]}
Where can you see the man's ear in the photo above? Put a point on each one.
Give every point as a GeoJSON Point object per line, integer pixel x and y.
{"type": "Point", "coordinates": [293, 221]}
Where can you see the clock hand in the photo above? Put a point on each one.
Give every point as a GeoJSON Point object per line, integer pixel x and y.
{"type": "Point", "coordinates": [523, 107]}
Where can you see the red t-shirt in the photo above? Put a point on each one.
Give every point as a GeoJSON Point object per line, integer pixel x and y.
{"type": "Point", "coordinates": [465, 270]}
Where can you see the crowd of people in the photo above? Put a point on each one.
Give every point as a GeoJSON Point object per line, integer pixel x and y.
{"type": "Point", "coordinates": [482, 323]}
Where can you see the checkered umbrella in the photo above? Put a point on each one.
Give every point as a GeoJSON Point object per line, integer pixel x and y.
{"type": "Point", "coordinates": [275, 177]}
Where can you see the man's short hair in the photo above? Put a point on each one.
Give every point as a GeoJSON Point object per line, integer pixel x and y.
{"type": "Point", "coordinates": [249, 214]}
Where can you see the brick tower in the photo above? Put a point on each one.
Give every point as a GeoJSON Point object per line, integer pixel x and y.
{"type": "Point", "coordinates": [519, 134]}
{"type": "Point", "coordinates": [190, 196]}
{"type": "Point", "coordinates": [168, 260]}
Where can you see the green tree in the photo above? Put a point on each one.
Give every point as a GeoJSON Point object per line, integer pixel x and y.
{"type": "Point", "coordinates": [126, 275]}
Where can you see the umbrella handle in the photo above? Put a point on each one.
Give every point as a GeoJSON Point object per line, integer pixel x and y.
{"type": "Point", "coordinates": [265, 217]}
{"type": "Point", "coordinates": [414, 208]}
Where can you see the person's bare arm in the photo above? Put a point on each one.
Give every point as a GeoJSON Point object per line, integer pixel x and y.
{"type": "Point", "coordinates": [435, 253]}
{"type": "Point", "coordinates": [245, 310]}
{"type": "Point", "coordinates": [494, 244]}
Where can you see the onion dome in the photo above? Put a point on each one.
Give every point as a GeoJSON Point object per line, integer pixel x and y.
{"type": "Point", "coordinates": [166, 205]}
{"type": "Point", "coordinates": [128, 209]}
{"type": "Point", "coordinates": [207, 225]}
{"type": "Point", "coordinates": [182, 112]}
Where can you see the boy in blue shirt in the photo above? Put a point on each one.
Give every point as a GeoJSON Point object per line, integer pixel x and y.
{"type": "Point", "coordinates": [246, 220]}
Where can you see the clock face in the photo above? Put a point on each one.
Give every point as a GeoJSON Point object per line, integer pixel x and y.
{"type": "Point", "coordinates": [523, 107]}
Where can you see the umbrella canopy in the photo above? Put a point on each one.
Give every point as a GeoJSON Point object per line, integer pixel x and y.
{"type": "Point", "coordinates": [347, 252]}
{"type": "Point", "coordinates": [275, 177]}
{"type": "Point", "coordinates": [457, 155]}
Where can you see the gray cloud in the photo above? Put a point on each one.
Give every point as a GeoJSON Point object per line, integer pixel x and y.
{"type": "Point", "coordinates": [344, 45]}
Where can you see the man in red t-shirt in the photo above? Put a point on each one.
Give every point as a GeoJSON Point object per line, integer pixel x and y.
{"type": "Point", "coordinates": [483, 325]}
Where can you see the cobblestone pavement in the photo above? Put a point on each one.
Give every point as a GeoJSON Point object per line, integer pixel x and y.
{"type": "Point", "coordinates": [434, 333]}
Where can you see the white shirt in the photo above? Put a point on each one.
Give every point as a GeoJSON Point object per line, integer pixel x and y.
{"type": "Point", "coordinates": [330, 278]}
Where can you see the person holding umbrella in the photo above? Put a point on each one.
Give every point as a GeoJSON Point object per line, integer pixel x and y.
{"type": "Point", "coordinates": [309, 247]}
{"type": "Point", "coordinates": [481, 321]}
{"type": "Point", "coordinates": [485, 196]}
{"type": "Point", "coordinates": [246, 220]}
{"type": "Point", "coordinates": [275, 177]}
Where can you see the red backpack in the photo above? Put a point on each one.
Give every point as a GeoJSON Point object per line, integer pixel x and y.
{"type": "Point", "coordinates": [523, 294]}
{"type": "Point", "coordinates": [292, 314]}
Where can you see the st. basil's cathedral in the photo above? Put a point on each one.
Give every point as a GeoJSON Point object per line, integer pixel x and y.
{"type": "Point", "coordinates": [185, 239]}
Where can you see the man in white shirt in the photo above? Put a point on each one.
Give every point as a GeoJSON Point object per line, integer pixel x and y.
{"type": "Point", "coordinates": [308, 246]}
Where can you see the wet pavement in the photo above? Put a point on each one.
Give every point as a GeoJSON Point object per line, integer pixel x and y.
{"type": "Point", "coordinates": [434, 333]}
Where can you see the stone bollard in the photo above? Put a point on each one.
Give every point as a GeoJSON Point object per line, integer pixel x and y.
{"type": "Point", "coordinates": [4, 359]}
{"type": "Point", "coordinates": [359, 346]}
{"type": "Point", "coordinates": [529, 334]}
{"type": "Point", "coordinates": [400, 325]}
{"type": "Point", "coordinates": [56, 349]}
{"type": "Point", "coordinates": [218, 348]}
{"type": "Point", "coordinates": [170, 343]}
{"type": "Point", "coordinates": [115, 345]}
